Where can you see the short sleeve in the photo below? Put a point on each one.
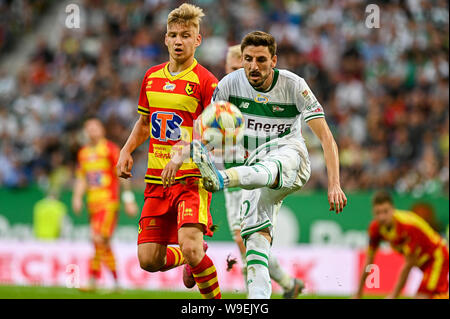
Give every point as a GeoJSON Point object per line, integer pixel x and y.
{"type": "Point", "coordinates": [307, 103]}
{"type": "Point", "coordinates": [221, 91]}
{"type": "Point", "coordinates": [208, 89]}
{"type": "Point", "coordinates": [143, 106]}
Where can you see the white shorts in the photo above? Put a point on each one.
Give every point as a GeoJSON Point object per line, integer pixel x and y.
{"type": "Point", "coordinates": [233, 206]}
{"type": "Point", "coordinates": [260, 206]}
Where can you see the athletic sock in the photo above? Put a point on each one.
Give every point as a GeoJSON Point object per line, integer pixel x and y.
{"type": "Point", "coordinates": [110, 261]}
{"type": "Point", "coordinates": [95, 262]}
{"type": "Point", "coordinates": [277, 273]}
{"type": "Point", "coordinates": [258, 280]}
{"type": "Point", "coordinates": [251, 177]}
{"type": "Point", "coordinates": [174, 258]}
{"type": "Point", "coordinates": [205, 276]}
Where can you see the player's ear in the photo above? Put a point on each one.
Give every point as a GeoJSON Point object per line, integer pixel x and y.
{"type": "Point", "coordinates": [198, 40]}
{"type": "Point", "coordinates": [166, 38]}
{"type": "Point", "coordinates": [274, 61]}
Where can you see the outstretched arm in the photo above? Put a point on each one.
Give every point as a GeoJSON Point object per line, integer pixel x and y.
{"type": "Point", "coordinates": [336, 197]}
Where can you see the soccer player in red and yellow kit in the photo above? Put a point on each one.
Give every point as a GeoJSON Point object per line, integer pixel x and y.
{"type": "Point", "coordinates": [96, 176]}
{"type": "Point", "coordinates": [413, 237]}
{"type": "Point", "coordinates": [176, 207]}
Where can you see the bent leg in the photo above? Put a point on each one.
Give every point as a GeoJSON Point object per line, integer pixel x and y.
{"type": "Point", "coordinates": [190, 237]}
{"type": "Point", "coordinates": [263, 174]}
{"type": "Point", "coordinates": [152, 256]}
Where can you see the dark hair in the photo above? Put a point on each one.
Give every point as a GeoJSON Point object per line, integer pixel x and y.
{"type": "Point", "coordinates": [260, 38]}
{"type": "Point", "coordinates": [382, 197]}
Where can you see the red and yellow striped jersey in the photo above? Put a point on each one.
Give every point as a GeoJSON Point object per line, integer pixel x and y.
{"type": "Point", "coordinates": [409, 234]}
{"type": "Point", "coordinates": [97, 164]}
{"type": "Point", "coordinates": [173, 102]}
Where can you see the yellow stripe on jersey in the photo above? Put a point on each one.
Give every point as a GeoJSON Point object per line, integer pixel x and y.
{"type": "Point", "coordinates": [179, 75]}
{"type": "Point", "coordinates": [143, 110]}
{"type": "Point", "coordinates": [436, 268]}
{"type": "Point", "coordinates": [161, 156]}
{"type": "Point", "coordinates": [172, 101]}
{"type": "Point", "coordinates": [410, 218]}
{"type": "Point", "coordinates": [157, 179]}
{"type": "Point", "coordinates": [97, 165]}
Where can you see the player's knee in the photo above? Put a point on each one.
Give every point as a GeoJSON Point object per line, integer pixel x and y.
{"type": "Point", "coordinates": [150, 261]}
{"type": "Point", "coordinates": [192, 252]}
{"type": "Point", "coordinates": [150, 265]}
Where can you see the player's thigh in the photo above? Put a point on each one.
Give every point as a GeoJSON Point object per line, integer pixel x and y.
{"type": "Point", "coordinates": [103, 222]}
{"type": "Point", "coordinates": [258, 210]}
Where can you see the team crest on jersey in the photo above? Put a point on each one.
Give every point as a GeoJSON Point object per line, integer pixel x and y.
{"type": "Point", "coordinates": [276, 108]}
{"type": "Point", "coordinates": [166, 126]}
{"type": "Point", "coordinates": [261, 99]}
{"type": "Point", "coordinates": [169, 86]}
{"type": "Point", "coordinates": [191, 88]}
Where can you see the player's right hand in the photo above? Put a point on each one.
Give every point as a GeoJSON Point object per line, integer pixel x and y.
{"type": "Point", "coordinates": [124, 165]}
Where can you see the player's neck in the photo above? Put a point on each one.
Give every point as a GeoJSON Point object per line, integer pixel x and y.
{"type": "Point", "coordinates": [178, 66]}
{"type": "Point", "coordinates": [94, 142]}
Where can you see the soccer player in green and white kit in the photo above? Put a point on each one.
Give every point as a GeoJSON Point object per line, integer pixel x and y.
{"type": "Point", "coordinates": [273, 103]}
{"type": "Point", "coordinates": [291, 286]}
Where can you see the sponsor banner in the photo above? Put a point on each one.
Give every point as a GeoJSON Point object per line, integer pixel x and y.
{"type": "Point", "coordinates": [325, 270]}
{"type": "Point", "coordinates": [305, 214]}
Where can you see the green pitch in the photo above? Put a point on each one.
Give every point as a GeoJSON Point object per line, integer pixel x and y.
{"type": "Point", "coordinates": [37, 292]}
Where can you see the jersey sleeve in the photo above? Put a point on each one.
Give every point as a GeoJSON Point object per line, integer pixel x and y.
{"type": "Point", "coordinates": [143, 106]}
{"type": "Point", "coordinates": [208, 88]}
{"type": "Point", "coordinates": [307, 103]}
{"type": "Point", "coordinates": [221, 93]}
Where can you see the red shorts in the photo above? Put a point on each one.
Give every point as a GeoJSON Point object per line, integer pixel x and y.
{"type": "Point", "coordinates": [103, 220]}
{"type": "Point", "coordinates": [167, 209]}
{"type": "Point", "coordinates": [435, 274]}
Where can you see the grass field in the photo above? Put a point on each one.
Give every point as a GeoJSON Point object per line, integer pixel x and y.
{"type": "Point", "coordinates": [38, 292]}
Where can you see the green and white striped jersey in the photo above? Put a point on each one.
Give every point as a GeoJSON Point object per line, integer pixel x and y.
{"type": "Point", "coordinates": [274, 113]}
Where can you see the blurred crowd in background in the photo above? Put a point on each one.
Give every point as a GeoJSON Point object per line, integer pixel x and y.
{"type": "Point", "coordinates": [384, 90]}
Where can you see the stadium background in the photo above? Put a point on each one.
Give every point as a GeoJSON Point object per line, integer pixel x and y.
{"type": "Point", "coordinates": [384, 91]}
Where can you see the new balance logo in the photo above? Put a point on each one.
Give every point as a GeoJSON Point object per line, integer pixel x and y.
{"type": "Point", "coordinates": [244, 105]}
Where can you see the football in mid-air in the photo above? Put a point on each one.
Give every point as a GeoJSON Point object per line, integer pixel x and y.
{"type": "Point", "coordinates": [220, 124]}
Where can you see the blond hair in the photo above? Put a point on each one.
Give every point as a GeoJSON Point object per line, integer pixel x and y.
{"type": "Point", "coordinates": [234, 52]}
{"type": "Point", "coordinates": [187, 14]}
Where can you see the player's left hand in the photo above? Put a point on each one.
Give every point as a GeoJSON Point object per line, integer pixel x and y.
{"type": "Point", "coordinates": [169, 172]}
{"type": "Point", "coordinates": [336, 198]}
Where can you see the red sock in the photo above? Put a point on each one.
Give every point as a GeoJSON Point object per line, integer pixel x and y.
{"type": "Point", "coordinates": [174, 258]}
{"type": "Point", "coordinates": [205, 276]}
